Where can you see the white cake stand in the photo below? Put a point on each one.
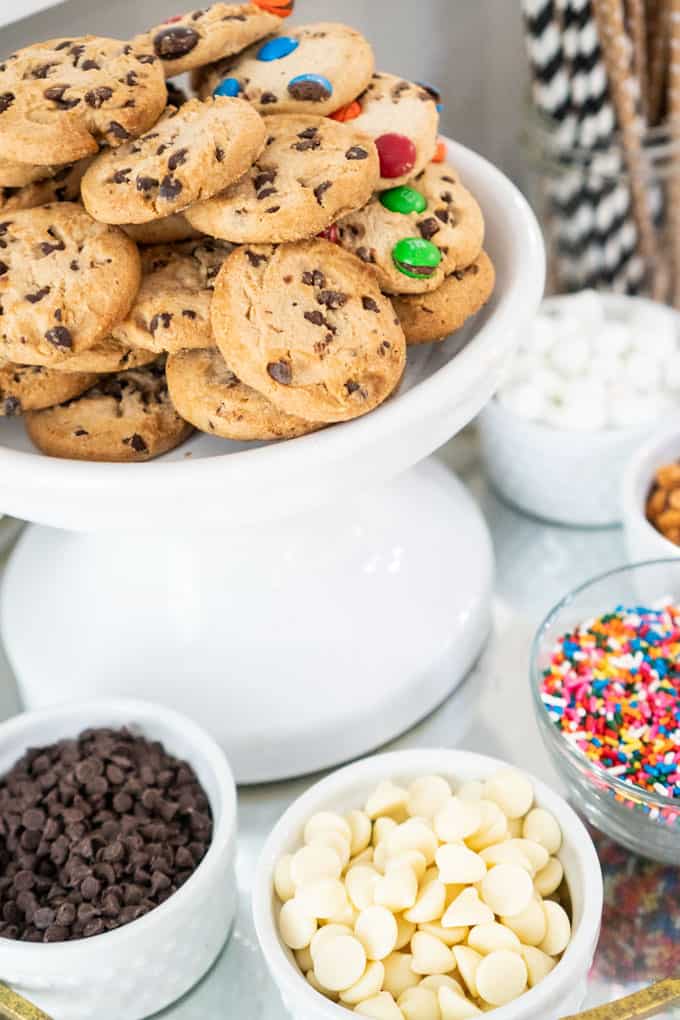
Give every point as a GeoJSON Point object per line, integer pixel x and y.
{"type": "Point", "coordinates": [306, 601]}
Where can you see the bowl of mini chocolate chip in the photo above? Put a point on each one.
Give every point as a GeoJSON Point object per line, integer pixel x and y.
{"type": "Point", "coordinates": [117, 847]}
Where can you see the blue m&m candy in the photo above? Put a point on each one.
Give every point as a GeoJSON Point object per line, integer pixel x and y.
{"type": "Point", "coordinates": [228, 87]}
{"type": "Point", "coordinates": [313, 88]}
{"type": "Point", "coordinates": [278, 48]}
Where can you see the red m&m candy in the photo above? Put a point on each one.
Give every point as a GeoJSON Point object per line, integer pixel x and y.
{"type": "Point", "coordinates": [397, 155]}
{"type": "Point", "coordinates": [331, 234]}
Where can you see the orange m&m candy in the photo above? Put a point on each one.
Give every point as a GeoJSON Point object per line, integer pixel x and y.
{"type": "Point", "coordinates": [281, 8]}
{"type": "Point", "coordinates": [440, 152]}
{"type": "Point", "coordinates": [349, 112]}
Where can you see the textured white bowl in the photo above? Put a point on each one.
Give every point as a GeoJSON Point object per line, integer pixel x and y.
{"type": "Point", "coordinates": [144, 966]}
{"type": "Point", "coordinates": [643, 541]}
{"type": "Point", "coordinates": [560, 994]}
{"type": "Point", "coordinates": [572, 477]}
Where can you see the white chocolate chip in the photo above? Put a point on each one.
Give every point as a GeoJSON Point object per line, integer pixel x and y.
{"type": "Point", "coordinates": [512, 791]}
{"type": "Point", "coordinates": [325, 821]}
{"type": "Point", "coordinates": [323, 898]}
{"type": "Point", "coordinates": [419, 1004]}
{"type": "Point", "coordinates": [506, 853]}
{"type": "Point", "coordinates": [411, 859]}
{"type": "Point", "coordinates": [339, 963]}
{"type": "Point", "coordinates": [382, 827]}
{"type": "Point", "coordinates": [430, 956]}
{"type": "Point", "coordinates": [360, 882]}
{"type": "Point", "coordinates": [398, 974]}
{"type": "Point", "coordinates": [501, 977]}
{"type": "Point", "coordinates": [456, 1007]}
{"type": "Point", "coordinates": [515, 827]}
{"type": "Point", "coordinates": [329, 931]}
{"type": "Point", "coordinates": [347, 915]}
{"type": "Point", "coordinates": [427, 796]}
{"type": "Point", "coordinates": [365, 857]}
{"type": "Point", "coordinates": [549, 878]}
{"type": "Point", "coordinates": [473, 790]}
{"type": "Point", "coordinates": [457, 864]}
{"type": "Point", "coordinates": [335, 840]}
{"type": "Point", "coordinates": [398, 889]}
{"type": "Point", "coordinates": [467, 961]}
{"type": "Point", "coordinates": [376, 929]}
{"type": "Point", "coordinates": [380, 1007]}
{"type": "Point", "coordinates": [437, 981]}
{"type": "Point", "coordinates": [405, 930]}
{"type": "Point", "coordinates": [312, 980]}
{"type": "Point", "coordinates": [385, 800]}
{"type": "Point", "coordinates": [507, 889]}
{"type": "Point", "coordinates": [312, 862]}
{"type": "Point", "coordinates": [380, 857]}
{"type": "Point", "coordinates": [467, 910]}
{"type": "Point", "coordinates": [487, 938]}
{"type": "Point", "coordinates": [366, 987]}
{"type": "Point", "coordinates": [283, 883]}
{"type": "Point", "coordinates": [361, 830]}
{"type": "Point", "coordinates": [449, 936]}
{"type": "Point", "coordinates": [493, 829]}
{"type": "Point", "coordinates": [303, 958]}
{"type": "Point", "coordinates": [458, 819]}
{"type": "Point", "coordinates": [430, 903]}
{"type": "Point", "coordinates": [537, 854]}
{"type": "Point", "coordinates": [539, 964]}
{"type": "Point", "coordinates": [413, 834]}
{"type": "Point", "coordinates": [541, 827]}
{"type": "Point", "coordinates": [530, 926]}
{"type": "Point", "coordinates": [296, 925]}
{"type": "Point", "coordinates": [558, 929]}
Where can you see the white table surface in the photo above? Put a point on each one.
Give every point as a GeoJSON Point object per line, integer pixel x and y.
{"type": "Point", "coordinates": [491, 713]}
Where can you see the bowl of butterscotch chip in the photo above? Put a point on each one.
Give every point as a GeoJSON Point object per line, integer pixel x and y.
{"type": "Point", "coordinates": [117, 844]}
{"type": "Point", "coordinates": [651, 497]}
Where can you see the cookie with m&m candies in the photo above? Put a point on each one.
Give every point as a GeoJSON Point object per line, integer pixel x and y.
{"type": "Point", "coordinates": [308, 69]}
{"type": "Point", "coordinates": [415, 235]}
{"type": "Point", "coordinates": [402, 118]}
{"type": "Point", "coordinates": [189, 41]}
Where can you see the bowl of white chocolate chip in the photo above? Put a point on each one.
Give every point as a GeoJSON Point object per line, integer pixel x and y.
{"type": "Point", "coordinates": [429, 885]}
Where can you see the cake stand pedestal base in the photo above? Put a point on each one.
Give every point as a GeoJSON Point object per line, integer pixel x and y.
{"type": "Point", "coordinates": [299, 645]}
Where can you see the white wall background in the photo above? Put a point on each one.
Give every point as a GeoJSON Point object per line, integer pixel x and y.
{"type": "Point", "coordinates": [472, 49]}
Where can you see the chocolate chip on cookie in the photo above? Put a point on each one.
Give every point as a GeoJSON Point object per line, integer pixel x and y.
{"type": "Point", "coordinates": [208, 394]}
{"type": "Point", "coordinates": [32, 387]}
{"type": "Point", "coordinates": [311, 171]}
{"type": "Point", "coordinates": [311, 69]}
{"type": "Point", "coordinates": [65, 281]}
{"type": "Point", "coordinates": [125, 417]}
{"type": "Point", "coordinates": [60, 99]}
{"type": "Point", "coordinates": [175, 164]}
{"type": "Point", "coordinates": [296, 322]}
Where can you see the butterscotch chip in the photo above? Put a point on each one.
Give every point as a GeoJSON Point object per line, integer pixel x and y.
{"type": "Point", "coordinates": [669, 519]}
{"type": "Point", "coordinates": [668, 476]}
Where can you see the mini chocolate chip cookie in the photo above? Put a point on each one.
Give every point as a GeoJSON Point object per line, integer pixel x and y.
{"type": "Point", "coordinates": [403, 121]}
{"type": "Point", "coordinates": [434, 316]}
{"type": "Point", "coordinates": [191, 154]}
{"type": "Point", "coordinates": [416, 235]}
{"type": "Point", "coordinates": [64, 281]}
{"type": "Point", "coordinates": [63, 186]}
{"type": "Point", "coordinates": [308, 328]}
{"type": "Point", "coordinates": [208, 394]}
{"type": "Point", "coordinates": [192, 40]}
{"type": "Point", "coordinates": [311, 171]}
{"type": "Point", "coordinates": [167, 230]}
{"type": "Point", "coordinates": [18, 175]}
{"type": "Point", "coordinates": [172, 308]}
{"type": "Point", "coordinates": [60, 99]}
{"type": "Point", "coordinates": [107, 355]}
{"type": "Point", "coordinates": [32, 387]}
{"type": "Point", "coordinates": [312, 69]}
{"type": "Point", "coordinates": [125, 417]}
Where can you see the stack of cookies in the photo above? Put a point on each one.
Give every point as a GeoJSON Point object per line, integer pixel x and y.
{"type": "Point", "coordinates": [251, 262]}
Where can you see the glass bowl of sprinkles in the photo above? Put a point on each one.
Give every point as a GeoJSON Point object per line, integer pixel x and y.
{"type": "Point", "coordinates": [605, 676]}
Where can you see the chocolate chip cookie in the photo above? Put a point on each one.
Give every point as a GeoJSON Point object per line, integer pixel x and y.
{"type": "Point", "coordinates": [172, 308]}
{"type": "Point", "coordinates": [192, 40]}
{"type": "Point", "coordinates": [403, 121]}
{"type": "Point", "coordinates": [64, 281]}
{"type": "Point", "coordinates": [32, 387]}
{"type": "Point", "coordinates": [208, 394]}
{"type": "Point", "coordinates": [311, 171]}
{"type": "Point", "coordinates": [164, 231]}
{"type": "Point", "coordinates": [307, 327]}
{"type": "Point", "coordinates": [18, 175]}
{"type": "Point", "coordinates": [311, 69]}
{"type": "Point", "coordinates": [191, 154]}
{"type": "Point", "coordinates": [413, 237]}
{"type": "Point", "coordinates": [434, 316]}
{"type": "Point", "coordinates": [125, 417]}
{"type": "Point", "coordinates": [60, 99]}
{"type": "Point", "coordinates": [63, 186]}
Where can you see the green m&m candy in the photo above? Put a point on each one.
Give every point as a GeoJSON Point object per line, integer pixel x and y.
{"type": "Point", "coordinates": [415, 257]}
{"type": "Point", "coordinates": [404, 200]}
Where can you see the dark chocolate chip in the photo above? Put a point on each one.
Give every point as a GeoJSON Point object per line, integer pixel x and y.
{"type": "Point", "coordinates": [97, 97]}
{"type": "Point", "coordinates": [38, 295]}
{"type": "Point", "coordinates": [307, 144]}
{"type": "Point", "coordinates": [442, 214]}
{"type": "Point", "coordinates": [174, 42]}
{"type": "Point", "coordinates": [316, 318]}
{"type": "Point", "coordinates": [131, 78]}
{"type": "Point", "coordinates": [219, 153]}
{"type": "Point", "coordinates": [6, 100]}
{"type": "Point", "coordinates": [369, 304]}
{"type": "Point", "coordinates": [332, 298]}
{"type": "Point", "coordinates": [356, 152]}
{"type": "Point", "coordinates": [59, 336]}
{"type": "Point", "coordinates": [170, 188]}
{"type": "Point", "coordinates": [12, 406]}
{"type": "Point", "coordinates": [121, 176]}
{"type": "Point", "coordinates": [119, 131]}
{"type": "Point", "coordinates": [266, 99]}
{"type": "Point", "coordinates": [308, 91]}
{"type": "Point", "coordinates": [145, 184]}
{"type": "Point", "coordinates": [56, 95]}
{"type": "Point", "coordinates": [4, 268]}
{"type": "Point", "coordinates": [177, 159]}
{"type": "Point", "coordinates": [320, 190]}
{"type": "Point", "coordinates": [428, 228]}
{"type": "Point", "coordinates": [90, 65]}
{"type": "Point", "coordinates": [281, 372]}
{"type": "Point", "coordinates": [254, 258]}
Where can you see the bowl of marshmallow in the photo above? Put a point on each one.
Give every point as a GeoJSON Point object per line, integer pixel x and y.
{"type": "Point", "coordinates": [590, 382]}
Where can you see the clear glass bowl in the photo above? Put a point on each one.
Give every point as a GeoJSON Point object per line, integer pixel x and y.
{"type": "Point", "coordinates": [647, 823]}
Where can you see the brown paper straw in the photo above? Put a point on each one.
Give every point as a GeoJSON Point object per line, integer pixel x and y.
{"type": "Point", "coordinates": [13, 1007]}
{"type": "Point", "coordinates": [637, 23]}
{"type": "Point", "coordinates": [647, 1003]}
{"type": "Point", "coordinates": [674, 121]}
{"type": "Point", "coordinates": [657, 49]}
{"type": "Point", "coordinates": [616, 49]}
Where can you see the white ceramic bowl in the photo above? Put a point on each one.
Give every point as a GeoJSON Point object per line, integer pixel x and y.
{"type": "Point", "coordinates": [643, 541]}
{"type": "Point", "coordinates": [572, 477]}
{"type": "Point", "coordinates": [560, 994]}
{"type": "Point", "coordinates": [144, 966]}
